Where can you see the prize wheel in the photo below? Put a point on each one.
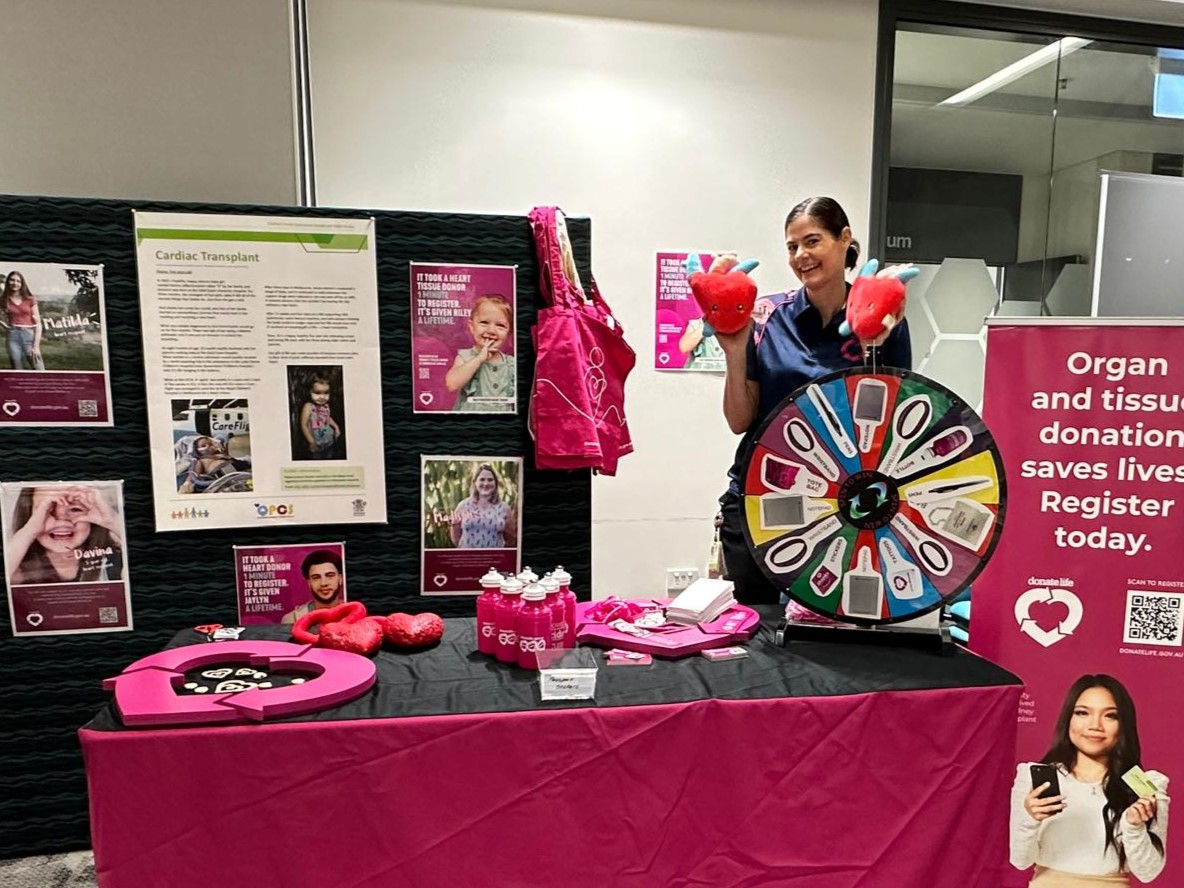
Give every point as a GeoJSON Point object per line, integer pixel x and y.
{"type": "Point", "coordinates": [873, 496]}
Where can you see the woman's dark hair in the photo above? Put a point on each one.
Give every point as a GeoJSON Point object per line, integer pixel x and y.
{"type": "Point", "coordinates": [1124, 756]}
{"type": "Point", "coordinates": [832, 217]}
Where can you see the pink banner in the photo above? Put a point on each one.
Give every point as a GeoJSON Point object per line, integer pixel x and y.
{"type": "Point", "coordinates": [1086, 578]}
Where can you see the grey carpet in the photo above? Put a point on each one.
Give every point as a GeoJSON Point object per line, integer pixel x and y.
{"type": "Point", "coordinates": [74, 870]}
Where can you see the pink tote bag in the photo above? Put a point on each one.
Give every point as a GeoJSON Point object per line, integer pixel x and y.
{"type": "Point", "coordinates": [577, 404]}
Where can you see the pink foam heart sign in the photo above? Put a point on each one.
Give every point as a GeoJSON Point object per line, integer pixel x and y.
{"type": "Point", "coordinates": [363, 637]}
{"type": "Point", "coordinates": [412, 631]}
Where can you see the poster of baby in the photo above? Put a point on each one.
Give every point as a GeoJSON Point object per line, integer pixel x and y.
{"type": "Point", "coordinates": [462, 338]}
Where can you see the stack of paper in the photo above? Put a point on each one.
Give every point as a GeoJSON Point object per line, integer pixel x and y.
{"type": "Point", "coordinates": [702, 601]}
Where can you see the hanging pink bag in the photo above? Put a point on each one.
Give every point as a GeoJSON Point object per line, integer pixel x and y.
{"type": "Point", "coordinates": [577, 404]}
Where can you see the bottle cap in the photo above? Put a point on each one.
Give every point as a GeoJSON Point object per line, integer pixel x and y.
{"type": "Point", "coordinates": [491, 579]}
{"type": "Point", "coordinates": [562, 577]}
{"type": "Point", "coordinates": [534, 592]}
{"type": "Point", "coordinates": [527, 575]}
{"type": "Point", "coordinates": [549, 584]}
{"type": "Point", "coordinates": [511, 586]}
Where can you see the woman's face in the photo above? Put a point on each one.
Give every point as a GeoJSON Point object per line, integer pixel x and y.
{"type": "Point", "coordinates": [816, 256]}
{"type": "Point", "coordinates": [15, 282]}
{"type": "Point", "coordinates": [1093, 727]}
{"type": "Point", "coordinates": [485, 483]}
{"type": "Point", "coordinates": [65, 527]}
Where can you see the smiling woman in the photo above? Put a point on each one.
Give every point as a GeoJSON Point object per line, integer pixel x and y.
{"type": "Point", "coordinates": [1082, 824]}
{"type": "Point", "coordinates": [799, 342]}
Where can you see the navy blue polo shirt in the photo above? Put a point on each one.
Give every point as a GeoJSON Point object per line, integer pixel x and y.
{"type": "Point", "coordinates": [794, 348]}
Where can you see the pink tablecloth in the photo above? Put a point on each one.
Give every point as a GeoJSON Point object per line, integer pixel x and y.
{"type": "Point", "coordinates": [900, 788]}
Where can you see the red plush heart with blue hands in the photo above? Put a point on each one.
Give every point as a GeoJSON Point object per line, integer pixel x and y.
{"type": "Point", "coordinates": [726, 294]}
{"type": "Point", "coordinates": [876, 302]}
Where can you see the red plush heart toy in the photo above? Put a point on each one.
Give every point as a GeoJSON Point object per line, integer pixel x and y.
{"type": "Point", "coordinates": [411, 631]}
{"type": "Point", "coordinates": [873, 304]}
{"type": "Point", "coordinates": [363, 637]}
{"type": "Point", "coordinates": [350, 612]}
{"type": "Point", "coordinates": [726, 299]}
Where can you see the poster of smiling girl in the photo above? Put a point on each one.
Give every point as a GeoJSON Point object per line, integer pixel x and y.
{"type": "Point", "coordinates": [462, 338]}
{"type": "Point", "coordinates": [64, 557]}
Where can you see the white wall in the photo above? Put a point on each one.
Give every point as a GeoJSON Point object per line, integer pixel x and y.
{"type": "Point", "coordinates": [688, 124]}
{"type": "Point", "coordinates": [161, 99]}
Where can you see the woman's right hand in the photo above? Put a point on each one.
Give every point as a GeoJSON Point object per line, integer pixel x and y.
{"type": "Point", "coordinates": [735, 342]}
{"type": "Point", "coordinates": [1041, 809]}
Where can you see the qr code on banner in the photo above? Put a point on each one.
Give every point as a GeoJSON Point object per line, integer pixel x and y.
{"type": "Point", "coordinates": [88, 407]}
{"type": "Point", "coordinates": [108, 615]}
{"type": "Point", "coordinates": [1153, 618]}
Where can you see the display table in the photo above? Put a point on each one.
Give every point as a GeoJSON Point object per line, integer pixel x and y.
{"type": "Point", "coordinates": [819, 765]}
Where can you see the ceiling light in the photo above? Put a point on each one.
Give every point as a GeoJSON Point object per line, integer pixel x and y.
{"type": "Point", "coordinates": [1016, 70]}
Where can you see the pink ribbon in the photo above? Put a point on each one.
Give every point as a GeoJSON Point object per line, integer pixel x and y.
{"type": "Point", "coordinates": [613, 608]}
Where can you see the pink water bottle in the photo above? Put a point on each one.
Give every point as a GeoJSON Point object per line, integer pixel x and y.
{"type": "Point", "coordinates": [558, 611]}
{"type": "Point", "coordinates": [534, 626]}
{"type": "Point", "coordinates": [563, 578]}
{"type": "Point", "coordinates": [491, 588]}
{"type": "Point", "coordinates": [505, 621]}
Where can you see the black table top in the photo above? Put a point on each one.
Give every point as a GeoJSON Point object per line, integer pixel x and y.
{"type": "Point", "coordinates": [453, 678]}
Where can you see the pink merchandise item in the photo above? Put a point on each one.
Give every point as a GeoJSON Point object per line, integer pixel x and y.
{"type": "Point", "coordinates": [577, 403]}
{"type": "Point", "coordinates": [558, 616]}
{"type": "Point", "coordinates": [491, 587]}
{"type": "Point", "coordinates": [625, 624]}
{"type": "Point", "coordinates": [534, 626]}
{"type": "Point", "coordinates": [563, 578]}
{"type": "Point", "coordinates": [506, 621]}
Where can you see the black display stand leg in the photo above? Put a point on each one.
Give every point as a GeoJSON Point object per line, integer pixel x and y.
{"type": "Point", "coordinates": [936, 640]}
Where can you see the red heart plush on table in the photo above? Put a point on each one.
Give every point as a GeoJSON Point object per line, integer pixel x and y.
{"type": "Point", "coordinates": [363, 637]}
{"type": "Point", "coordinates": [726, 299]}
{"type": "Point", "coordinates": [873, 304]}
{"type": "Point", "coordinates": [350, 612]}
{"type": "Point", "coordinates": [410, 631]}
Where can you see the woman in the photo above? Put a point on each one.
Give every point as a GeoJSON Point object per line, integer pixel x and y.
{"type": "Point", "coordinates": [1096, 830]}
{"type": "Point", "coordinates": [798, 343]}
{"type": "Point", "coordinates": [483, 520]}
{"type": "Point", "coordinates": [23, 320]}
{"type": "Point", "coordinates": [65, 535]}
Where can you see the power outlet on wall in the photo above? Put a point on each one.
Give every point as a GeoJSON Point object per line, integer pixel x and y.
{"type": "Point", "coordinates": [678, 578]}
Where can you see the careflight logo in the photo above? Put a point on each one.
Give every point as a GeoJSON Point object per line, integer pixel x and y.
{"type": "Point", "coordinates": [274, 510]}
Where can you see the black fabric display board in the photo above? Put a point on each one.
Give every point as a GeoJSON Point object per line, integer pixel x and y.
{"type": "Point", "coordinates": [51, 685]}
{"type": "Point", "coordinates": [454, 678]}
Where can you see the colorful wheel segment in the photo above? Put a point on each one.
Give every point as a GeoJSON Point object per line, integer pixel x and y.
{"type": "Point", "coordinates": [873, 497]}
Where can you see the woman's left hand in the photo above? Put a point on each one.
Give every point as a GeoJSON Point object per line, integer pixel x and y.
{"type": "Point", "coordinates": [1141, 811]}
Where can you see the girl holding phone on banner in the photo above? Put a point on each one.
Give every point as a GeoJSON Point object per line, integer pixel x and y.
{"type": "Point", "coordinates": [22, 317]}
{"type": "Point", "coordinates": [799, 342]}
{"type": "Point", "coordinates": [1082, 824]}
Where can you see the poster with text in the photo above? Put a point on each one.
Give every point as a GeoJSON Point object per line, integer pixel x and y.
{"type": "Point", "coordinates": [64, 557]}
{"type": "Point", "coordinates": [262, 366]}
{"type": "Point", "coordinates": [280, 584]}
{"type": "Point", "coordinates": [1088, 580]}
{"type": "Point", "coordinates": [55, 336]}
{"type": "Point", "coordinates": [472, 512]}
{"type": "Point", "coordinates": [681, 339]}
{"type": "Point", "coordinates": [462, 338]}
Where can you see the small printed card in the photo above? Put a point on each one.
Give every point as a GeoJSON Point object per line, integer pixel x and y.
{"type": "Point", "coordinates": [729, 653]}
{"type": "Point", "coordinates": [1136, 778]}
{"type": "Point", "coordinates": [618, 657]}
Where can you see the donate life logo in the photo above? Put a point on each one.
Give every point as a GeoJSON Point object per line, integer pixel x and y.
{"type": "Point", "coordinates": [282, 510]}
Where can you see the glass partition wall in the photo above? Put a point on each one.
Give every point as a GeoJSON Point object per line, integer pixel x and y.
{"type": "Point", "coordinates": [997, 145]}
